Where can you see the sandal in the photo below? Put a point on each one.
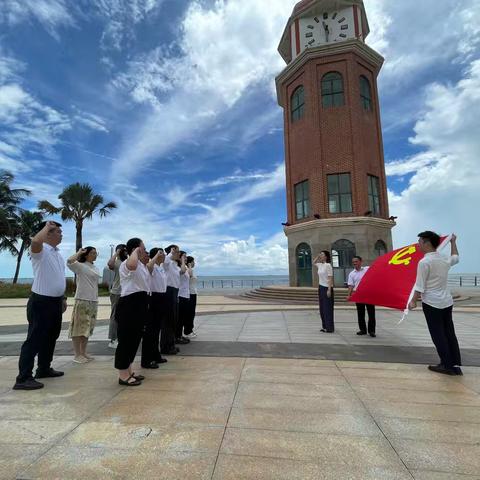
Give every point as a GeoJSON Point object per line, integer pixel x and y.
{"type": "Point", "coordinates": [127, 382]}
{"type": "Point", "coordinates": [138, 377]}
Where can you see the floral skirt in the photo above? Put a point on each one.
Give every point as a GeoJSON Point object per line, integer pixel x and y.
{"type": "Point", "coordinates": [84, 317]}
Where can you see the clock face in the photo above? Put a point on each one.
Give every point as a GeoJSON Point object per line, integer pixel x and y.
{"type": "Point", "coordinates": [330, 27]}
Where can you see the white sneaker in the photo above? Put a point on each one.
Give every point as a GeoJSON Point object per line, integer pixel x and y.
{"type": "Point", "coordinates": [191, 335]}
{"type": "Point", "coordinates": [113, 344]}
{"type": "Point", "coordinates": [80, 359]}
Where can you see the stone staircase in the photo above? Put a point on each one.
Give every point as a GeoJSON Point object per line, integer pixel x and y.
{"type": "Point", "coordinates": [292, 295]}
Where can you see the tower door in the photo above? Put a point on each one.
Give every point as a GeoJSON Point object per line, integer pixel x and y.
{"type": "Point", "coordinates": [304, 265]}
{"type": "Point", "coordinates": [343, 252]}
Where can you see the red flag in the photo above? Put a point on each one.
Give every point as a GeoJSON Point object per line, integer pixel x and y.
{"type": "Point", "coordinates": [391, 278]}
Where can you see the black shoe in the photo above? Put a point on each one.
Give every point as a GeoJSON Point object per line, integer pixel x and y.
{"type": "Point", "coordinates": [323, 330]}
{"type": "Point", "coordinates": [185, 339]}
{"type": "Point", "coordinates": [49, 374]}
{"type": "Point", "coordinates": [173, 351]}
{"type": "Point", "coordinates": [372, 335]}
{"type": "Point", "coordinates": [161, 360]}
{"type": "Point", "coordinates": [441, 369]}
{"type": "Point", "coordinates": [29, 384]}
{"type": "Point", "coordinates": [458, 371]}
{"type": "Point", "coordinates": [329, 331]}
{"type": "Point", "coordinates": [361, 333]}
{"type": "Point", "coordinates": [182, 341]}
{"type": "Point", "coordinates": [150, 365]}
{"type": "Point", "coordinates": [138, 377]}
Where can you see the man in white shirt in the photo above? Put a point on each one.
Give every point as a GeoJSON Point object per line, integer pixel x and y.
{"type": "Point", "coordinates": [44, 308]}
{"type": "Point", "coordinates": [437, 302]}
{"type": "Point", "coordinates": [354, 279]}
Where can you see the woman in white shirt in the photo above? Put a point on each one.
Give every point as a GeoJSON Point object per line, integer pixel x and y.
{"type": "Point", "coordinates": [192, 304]}
{"type": "Point", "coordinates": [325, 290]}
{"type": "Point", "coordinates": [183, 299]}
{"type": "Point", "coordinates": [132, 310]}
{"type": "Point", "coordinates": [84, 313]}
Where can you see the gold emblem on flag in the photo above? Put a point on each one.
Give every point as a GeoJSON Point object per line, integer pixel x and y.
{"type": "Point", "coordinates": [403, 256]}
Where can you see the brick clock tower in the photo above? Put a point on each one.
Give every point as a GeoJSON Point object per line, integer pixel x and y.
{"type": "Point", "coordinates": [336, 183]}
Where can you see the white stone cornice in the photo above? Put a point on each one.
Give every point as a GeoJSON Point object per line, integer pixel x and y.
{"type": "Point", "coordinates": [339, 222]}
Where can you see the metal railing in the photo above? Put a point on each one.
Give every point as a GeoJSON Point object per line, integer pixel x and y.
{"type": "Point", "coordinates": [252, 283]}
{"type": "Point", "coordinates": [464, 280]}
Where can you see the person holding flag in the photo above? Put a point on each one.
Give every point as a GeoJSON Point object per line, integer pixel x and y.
{"type": "Point", "coordinates": [437, 301]}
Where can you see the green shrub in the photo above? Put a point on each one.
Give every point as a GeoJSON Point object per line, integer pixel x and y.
{"type": "Point", "coordinates": [22, 290]}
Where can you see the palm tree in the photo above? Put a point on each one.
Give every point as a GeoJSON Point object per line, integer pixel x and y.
{"type": "Point", "coordinates": [79, 203]}
{"type": "Point", "coordinates": [10, 199]}
{"type": "Point", "coordinates": [27, 224]}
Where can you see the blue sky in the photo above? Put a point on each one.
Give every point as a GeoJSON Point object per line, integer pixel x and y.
{"type": "Point", "coordinates": [168, 108]}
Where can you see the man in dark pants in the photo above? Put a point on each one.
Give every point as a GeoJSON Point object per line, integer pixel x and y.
{"type": "Point", "coordinates": [44, 308]}
{"type": "Point", "coordinates": [354, 279]}
{"type": "Point", "coordinates": [437, 301]}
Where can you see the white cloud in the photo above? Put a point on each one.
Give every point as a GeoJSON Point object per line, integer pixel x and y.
{"type": "Point", "coordinates": [443, 193]}
{"type": "Point", "coordinates": [51, 14]}
{"type": "Point", "coordinates": [227, 49]}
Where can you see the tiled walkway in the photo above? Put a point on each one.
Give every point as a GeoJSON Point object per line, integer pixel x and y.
{"type": "Point", "coordinates": [236, 418]}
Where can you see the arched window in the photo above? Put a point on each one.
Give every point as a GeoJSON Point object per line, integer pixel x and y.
{"type": "Point", "coordinates": [297, 103]}
{"type": "Point", "coordinates": [380, 248]}
{"type": "Point", "coordinates": [365, 94]}
{"type": "Point", "coordinates": [332, 90]}
{"type": "Point", "coordinates": [304, 265]}
{"type": "Point", "coordinates": [343, 252]}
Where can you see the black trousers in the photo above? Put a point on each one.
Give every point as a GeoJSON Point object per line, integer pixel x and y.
{"type": "Point", "coordinates": [167, 340]}
{"type": "Point", "coordinates": [131, 316]}
{"type": "Point", "coordinates": [190, 318]}
{"type": "Point", "coordinates": [361, 317]}
{"type": "Point", "coordinates": [44, 315]}
{"type": "Point", "coordinates": [183, 312]}
{"type": "Point", "coordinates": [155, 322]}
{"type": "Point", "coordinates": [325, 305]}
{"type": "Point", "coordinates": [442, 331]}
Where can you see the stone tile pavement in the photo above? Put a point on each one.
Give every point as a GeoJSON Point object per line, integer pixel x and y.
{"type": "Point", "coordinates": [243, 418]}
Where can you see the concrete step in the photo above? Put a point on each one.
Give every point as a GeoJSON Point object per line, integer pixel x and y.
{"type": "Point", "coordinates": [296, 295]}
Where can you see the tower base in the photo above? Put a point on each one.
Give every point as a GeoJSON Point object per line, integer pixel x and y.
{"type": "Point", "coordinates": [367, 237]}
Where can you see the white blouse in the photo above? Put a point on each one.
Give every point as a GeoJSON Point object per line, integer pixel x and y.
{"type": "Point", "coordinates": [133, 281]}
{"type": "Point", "coordinates": [193, 283]}
{"type": "Point", "coordinates": [325, 270]}
{"type": "Point", "coordinates": [173, 271]}
{"type": "Point", "coordinates": [184, 290]}
{"type": "Point", "coordinates": [87, 280]}
{"type": "Point", "coordinates": [158, 280]}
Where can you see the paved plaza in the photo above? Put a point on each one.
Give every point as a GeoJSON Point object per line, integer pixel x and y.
{"type": "Point", "coordinates": [258, 395]}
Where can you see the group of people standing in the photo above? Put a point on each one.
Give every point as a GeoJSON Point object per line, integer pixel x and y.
{"type": "Point", "coordinates": [326, 299]}
{"type": "Point", "coordinates": [153, 298]}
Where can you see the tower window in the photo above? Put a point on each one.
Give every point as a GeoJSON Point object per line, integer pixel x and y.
{"type": "Point", "coordinates": [374, 194]}
{"type": "Point", "coordinates": [302, 200]}
{"type": "Point", "coordinates": [380, 248]}
{"type": "Point", "coordinates": [365, 94]}
{"type": "Point", "coordinates": [332, 90]}
{"type": "Point", "coordinates": [298, 103]}
{"type": "Point", "coordinates": [339, 193]}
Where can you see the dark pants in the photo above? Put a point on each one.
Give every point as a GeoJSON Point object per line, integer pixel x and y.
{"type": "Point", "coordinates": [44, 315]}
{"type": "Point", "coordinates": [131, 315]}
{"type": "Point", "coordinates": [183, 312]}
{"type": "Point", "coordinates": [167, 341]}
{"type": "Point", "coordinates": [192, 308]}
{"type": "Point", "coordinates": [151, 334]}
{"type": "Point", "coordinates": [361, 317]}
{"type": "Point", "coordinates": [442, 331]}
{"type": "Point", "coordinates": [326, 309]}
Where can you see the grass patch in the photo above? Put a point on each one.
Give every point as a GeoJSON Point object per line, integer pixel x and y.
{"type": "Point", "coordinates": [22, 290]}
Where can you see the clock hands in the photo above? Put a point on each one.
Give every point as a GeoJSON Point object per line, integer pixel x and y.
{"type": "Point", "coordinates": [327, 31]}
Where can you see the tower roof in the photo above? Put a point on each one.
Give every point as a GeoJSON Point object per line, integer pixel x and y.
{"type": "Point", "coordinates": [315, 7]}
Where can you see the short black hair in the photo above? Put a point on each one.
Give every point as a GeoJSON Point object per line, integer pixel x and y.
{"type": "Point", "coordinates": [43, 224]}
{"type": "Point", "coordinates": [83, 257]}
{"type": "Point", "coordinates": [431, 237]}
{"type": "Point", "coordinates": [169, 248]}
{"type": "Point", "coordinates": [190, 259]}
{"type": "Point", "coordinates": [327, 254]}
{"type": "Point", "coordinates": [121, 246]}
{"type": "Point", "coordinates": [358, 257]}
{"type": "Point", "coordinates": [154, 251]}
{"type": "Point", "coordinates": [132, 244]}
